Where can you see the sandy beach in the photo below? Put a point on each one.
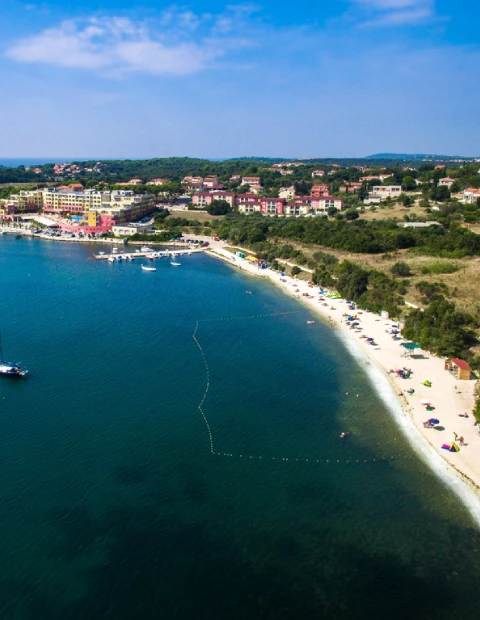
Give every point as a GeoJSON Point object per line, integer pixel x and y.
{"type": "Point", "coordinates": [450, 398]}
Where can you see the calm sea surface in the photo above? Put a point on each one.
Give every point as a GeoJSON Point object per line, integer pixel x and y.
{"type": "Point", "coordinates": [111, 502]}
{"type": "Point", "coordinates": [14, 162]}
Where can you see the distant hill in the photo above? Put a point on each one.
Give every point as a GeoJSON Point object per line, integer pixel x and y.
{"type": "Point", "coordinates": [415, 156]}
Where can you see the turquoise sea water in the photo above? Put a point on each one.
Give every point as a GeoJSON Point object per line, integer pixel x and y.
{"type": "Point", "coordinates": [111, 502]}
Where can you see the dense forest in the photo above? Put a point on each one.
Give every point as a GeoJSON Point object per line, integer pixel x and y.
{"type": "Point", "coordinates": [175, 168]}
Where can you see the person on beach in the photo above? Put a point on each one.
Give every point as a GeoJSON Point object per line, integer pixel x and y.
{"type": "Point", "coordinates": [461, 441]}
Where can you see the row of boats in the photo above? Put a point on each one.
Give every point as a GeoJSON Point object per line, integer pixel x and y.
{"type": "Point", "coordinates": [113, 258]}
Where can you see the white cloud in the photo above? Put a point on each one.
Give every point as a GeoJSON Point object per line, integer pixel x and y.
{"type": "Point", "coordinates": [394, 12]}
{"type": "Point", "coordinates": [119, 46]}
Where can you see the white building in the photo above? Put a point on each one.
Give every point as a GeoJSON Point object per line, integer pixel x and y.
{"type": "Point", "coordinates": [125, 230]}
{"type": "Point", "coordinates": [287, 192]}
{"type": "Point", "coordinates": [385, 191]}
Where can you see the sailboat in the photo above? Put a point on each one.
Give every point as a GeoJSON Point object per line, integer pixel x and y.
{"type": "Point", "coordinates": [8, 369]}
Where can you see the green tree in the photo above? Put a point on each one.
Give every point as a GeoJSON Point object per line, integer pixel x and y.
{"type": "Point", "coordinates": [401, 269]}
{"type": "Point", "coordinates": [218, 207]}
{"type": "Point", "coordinates": [352, 214]}
{"type": "Point", "coordinates": [408, 184]}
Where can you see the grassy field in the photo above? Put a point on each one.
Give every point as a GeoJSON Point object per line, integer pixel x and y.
{"type": "Point", "coordinates": [199, 216]}
{"type": "Point", "coordinates": [393, 212]}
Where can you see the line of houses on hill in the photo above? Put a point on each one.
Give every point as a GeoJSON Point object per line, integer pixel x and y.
{"type": "Point", "coordinates": [319, 202]}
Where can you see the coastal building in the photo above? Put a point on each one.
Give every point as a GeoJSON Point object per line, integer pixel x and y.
{"type": "Point", "coordinates": [324, 203]}
{"type": "Point", "coordinates": [386, 191]}
{"type": "Point", "coordinates": [116, 206]}
{"type": "Point", "coordinates": [158, 182]}
{"type": "Point", "coordinates": [211, 182]}
{"type": "Point", "coordinates": [295, 208]}
{"type": "Point", "coordinates": [126, 230]}
{"type": "Point", "coordinates": [272, 206]}
{"type": "Point", "coordinates": [351, 188]}
{"type": "Point", "coordinates": [252, 206]}
{"type": "Point", "coordinates": [373, 199]}
{"type": "Point", "coordinates": [25, 201]}
{"type": "Point", "coordinates": [459, 368]}
{"type": "Point", "coordinates": [471, 195]}
{"type": "Point", "coordinates": [251, 181]}
{"type": "Point", "coordinates": [319, 190]}
{"type": "Point", "coordinates": [192, 184]}
{"type": "Point", "coordinates": [203, 199]}
{"type": "Point", "coordinates": [287, 192]}
{"type": "Point", "coordinates": [447, 182]}
{"type": "Point", "coordinates": [375, 177]}
{"type": "Point", "coordinates": [243, 199]}
{"type": "Point", "coordinates": [318, 173]}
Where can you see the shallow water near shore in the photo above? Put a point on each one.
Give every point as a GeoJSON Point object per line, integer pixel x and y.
{"type": "Point", "coordinates": [112, 503]}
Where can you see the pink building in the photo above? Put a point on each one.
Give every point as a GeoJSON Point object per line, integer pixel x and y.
{"type": "Point", "coordinates": [272, 206]}
{"type": "Point", "coordinates": [319, 190]}
{"type": "Point", "coordinates": [203, 199]}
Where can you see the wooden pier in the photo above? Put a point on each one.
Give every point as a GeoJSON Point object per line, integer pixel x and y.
{"type": "Point", "coordinates": [151, 253]}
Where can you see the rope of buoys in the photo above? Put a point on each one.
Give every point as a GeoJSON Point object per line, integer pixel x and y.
{"type": "Point", "coordinates": [200, 408]}
{"type": "Point", "coordinates": [309, 460]}
{"type": "Point", "coordinates": [256, 457]}
{"type": "Point", "coordinates": [253, 316]}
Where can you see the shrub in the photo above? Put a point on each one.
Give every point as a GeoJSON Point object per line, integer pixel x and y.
{"type": "Point", "coordinates": [444, 268]}
{"type": "Point", "coordinates": [401, 269]}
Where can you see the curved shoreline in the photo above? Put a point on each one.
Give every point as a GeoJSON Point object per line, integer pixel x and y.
{"type": "Point", "coordinates": [459, 471]}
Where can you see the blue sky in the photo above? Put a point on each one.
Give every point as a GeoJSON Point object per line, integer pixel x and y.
{"type": "Point", "coordinates": [285, 79]}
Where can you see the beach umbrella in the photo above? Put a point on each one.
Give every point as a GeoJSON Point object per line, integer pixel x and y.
{"type": "Point", "coordinates": [369, 339]}
{"type": "Point", "coordinates": [434, 421]}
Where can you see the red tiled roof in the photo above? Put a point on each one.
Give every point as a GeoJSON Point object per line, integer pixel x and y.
{"type": "Point", "coordinates": [461, 364]}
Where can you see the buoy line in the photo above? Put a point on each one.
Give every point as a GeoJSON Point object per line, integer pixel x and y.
{"type": "Point", "coordinates": [253, 316]}
{"type": "Point", "coordinates": [256, 457]}
{"type": "Point", "coordinates": [206, 390]}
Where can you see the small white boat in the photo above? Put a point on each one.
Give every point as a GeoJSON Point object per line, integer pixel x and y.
{"type": "Point", "coordinates": [310, 322]}
{"type": "Point", "coordinates": [145, 268]}
{"type": "Point", "coordinates": [101, 253]}
{"type": "Point", "coordinates": [114, 250]}
{"type": "Point", "coordinates": [111, 259]}
{"type": "Point", "coordinates": [172, 262]}
{"type": "Point", "coordinates": [8, 369]}
{"type": "Point", "coordinates": [145, 248]}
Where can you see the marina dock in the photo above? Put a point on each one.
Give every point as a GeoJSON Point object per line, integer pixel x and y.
{"type": "Point", "coordinates": [147, 254]}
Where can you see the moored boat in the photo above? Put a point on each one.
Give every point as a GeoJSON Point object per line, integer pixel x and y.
{"type": "Point", "coordinates": [145, 268]}
{"type": "Point", "coordinates": [8, 369]}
